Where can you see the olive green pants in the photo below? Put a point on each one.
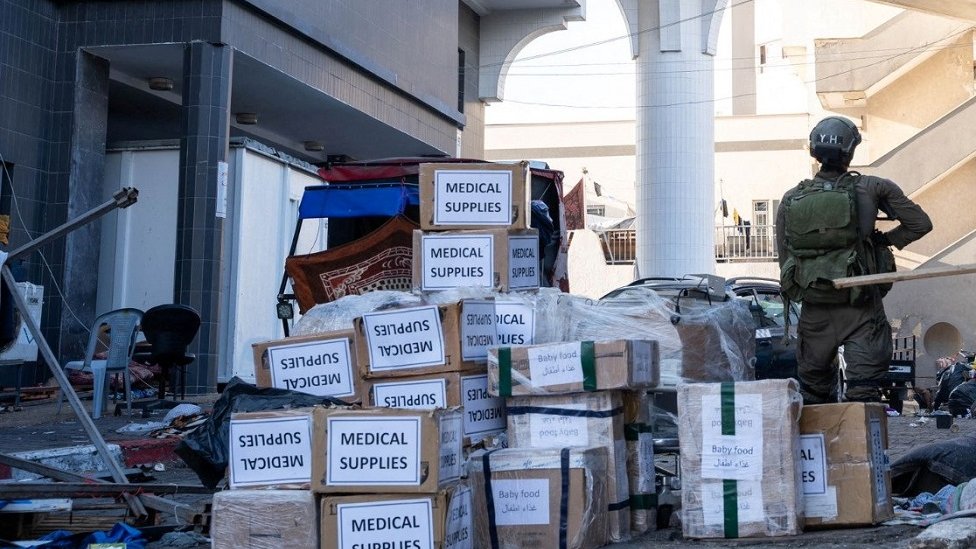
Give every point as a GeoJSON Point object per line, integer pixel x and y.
{"type": "Point", "coordinates": [866, 336]}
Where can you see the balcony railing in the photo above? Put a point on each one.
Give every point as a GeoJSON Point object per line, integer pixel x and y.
{"type": "Point", "coordinates": [733, 243]}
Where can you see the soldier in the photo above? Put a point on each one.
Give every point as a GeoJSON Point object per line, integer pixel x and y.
{"type": "Point", "coordinates": [825, 228]}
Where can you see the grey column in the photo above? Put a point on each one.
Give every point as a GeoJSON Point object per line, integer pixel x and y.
{"type": "Point", "coordinates": [207, 70]}
{"type": "Point", "coordinates": [86, 174]}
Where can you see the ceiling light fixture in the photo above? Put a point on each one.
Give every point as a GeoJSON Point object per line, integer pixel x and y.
{"type": "Point", "coordinates": [246, 117]}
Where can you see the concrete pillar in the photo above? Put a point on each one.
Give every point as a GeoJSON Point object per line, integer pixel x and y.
{"type": "Point", "coordinates": [743, 58]}
{"type": "Point", "coordinates": [675, 134]}
{"type": "Point", "coordinates": [207, 70]}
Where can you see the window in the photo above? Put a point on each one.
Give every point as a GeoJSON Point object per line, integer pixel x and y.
{"type": "Point", "coordinates": [596, 210]}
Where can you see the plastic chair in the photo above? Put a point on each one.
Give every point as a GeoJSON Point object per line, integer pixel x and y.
{"type": "Point", "coordinates": [170, 329]}
{"type": "Point", "coordinates": [122, 330]}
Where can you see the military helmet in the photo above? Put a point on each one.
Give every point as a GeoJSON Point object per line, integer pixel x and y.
{"type": "Point", "coordinates": [834, 138]}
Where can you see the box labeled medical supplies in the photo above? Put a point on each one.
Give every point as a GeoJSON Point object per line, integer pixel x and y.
{"type": "Point", "coordinates": [582, 419]}
{"type": "Point", "coordinates": [319, 364]}
{"type": "Point", "coordinates": [385, 450]}
{"type": "Point", "coordinates": [499, 259]}
{"type": "Point", "coordinates": [844, 469]}
{"type": "Point", "coordinates": [394, 521]}
{"type": "Point", "coordinates": [500, 322]}
{"type": "Point", "coordinates": [573, 367]}
{"type": "Point", "coordinates": [270, 520]}
{"type": "Point", "coordinates": [472, 196]}
{"type": "Point", "coordinates": [739, 453]}
{"type": "Point", "coordinates": [521, 497]}
{"type": "Point", "coordinates": [270, 449]}
{"type": "Point", "coordinates": [411, 341]}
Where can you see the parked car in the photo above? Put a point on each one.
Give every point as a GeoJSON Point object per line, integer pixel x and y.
{"type": "Point", "coordinates": [774, 358]}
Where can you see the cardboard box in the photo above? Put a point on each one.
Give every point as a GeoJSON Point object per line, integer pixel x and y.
{"type": "Point", "coordinates": [385, 450]}
{"type": "Point", "coordinates": [500, 259]}
{"type": "Point", "coordinates": [354, 522]}
{"type": "Point", "coordinates": [641, 475]}
{"type": "Point", "coordinates": [740, 448]}
{"type": "Point", "coordinates": [575, 367]}
{"type": "Point", "coordinates": [459, 524]}
{"type": "Point", "coordinates": [500, 322]}
{"type": "Point", "coordinates": [843, 469]}
{"type": "Point", "coordinates": [319, 364]}
{"type": "Point", "coordinates": [270, 449]}
{"type": "Point", "coordinates": [519, 497]}
{"type": "Point", "coordinates": [483, 414]}
{"type": "Point", "coordinates": [474, 196]}
{"type": "Point", "coordinates": [583, 419]}
{"type": "Point", "coordinates": [411, 341]}
{"type": "Point", "coordinates": [271, 520]}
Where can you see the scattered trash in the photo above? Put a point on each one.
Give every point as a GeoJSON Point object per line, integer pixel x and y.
{"type": "Point", "coordinates": [892, 412]}
{"type": "Point", "coordinates": [185, 409]}
{"type": "Point", "coordinates": [181, 539]}
{"type": "Point", "coordinates": [138, 428]}
{"type": "Point", "coordinates": [159, 467]}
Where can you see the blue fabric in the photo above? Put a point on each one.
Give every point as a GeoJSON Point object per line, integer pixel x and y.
{"type": "Point", "coordinates": [121, 532]}
{"type": "Point", "coordinates": [374, 199]}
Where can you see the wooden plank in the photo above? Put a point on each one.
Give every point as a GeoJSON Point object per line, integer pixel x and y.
{"type": "Point", "coordinates": [917, 274]}
{"type": "Point", "coordinates": [20, 490]}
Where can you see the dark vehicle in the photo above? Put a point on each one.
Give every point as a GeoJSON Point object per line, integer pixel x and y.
{"type": "Point", "coordinates": [774, 358]}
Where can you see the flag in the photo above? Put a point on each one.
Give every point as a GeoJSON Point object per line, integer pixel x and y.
{"type": "Point", "coordinates": [574, 206]}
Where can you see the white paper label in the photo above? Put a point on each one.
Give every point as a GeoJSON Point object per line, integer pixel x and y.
{"type": "Point", "coordinates": [478, 331]}
{"type": "Point", "coordinates": [450, 455]}
{"type": "Point", "coordinates": [401, 523]}
{"type": "Point", "coordinates": [457, 261]}
{"type": "Point", "coordinates": [404, 338]}
{"type": "Point", "coordinates": [483, 413]}
{"type": "Point", "coordinates": [472, 197]}
{"type": "Point", "coordinates": [514, 323]}
{"type": "Point", "coordinates": [457, 530]}
{"type": "Point", "coordinates": [221, 203]}
{"type": "Point", "coordinates": [412, 395]}
{"type": "Point", "coordinates": [738, 456]}
{"type": "Point", "coordinates": [748, 498]}
{"type": "Point", "coordinates": [823, 506]}
{"type": "Point", "coordinates": [555, 364]}
{"type": "Point", "coordinates": [523, 262]}
{"type": "Point", "coordinates": [813, 464]}
{"type": "Point", "coordinates": [558, 431]}
{"type": "Point", "coordinates": [373, 451]}
{"type": "Point", "coordinates": [270, 451]}
{"type": "Point", "coordinates": [497, 323]}
{"type": "Point", "coordinates": [321, 368]}
{"type": "Point", "coordinates": [878, 462]}
{"type": "Point", "coordinates": [521, 501]}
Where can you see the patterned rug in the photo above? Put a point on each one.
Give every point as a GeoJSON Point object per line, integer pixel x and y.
{"type": "Point", "coordinates": [381, 260]}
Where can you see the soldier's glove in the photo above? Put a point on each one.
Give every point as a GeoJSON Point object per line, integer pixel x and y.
{"type": "Point", "coordinates": [879, 239]}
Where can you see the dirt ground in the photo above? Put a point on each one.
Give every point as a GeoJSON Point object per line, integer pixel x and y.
{"type": "Point", "coordinates": [39, 426]}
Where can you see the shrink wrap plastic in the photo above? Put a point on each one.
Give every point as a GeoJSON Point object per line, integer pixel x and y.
{"type": "Point", "coordinates": [269, 520]}
{"type": "Point", "coordinates": [535, 497]}
{"type": "Point", "coordinates": [739, 459]}
{"type": "Point", "coordinates": [339, 314]}
{"type": "Point", "coordinates": [697, 342]}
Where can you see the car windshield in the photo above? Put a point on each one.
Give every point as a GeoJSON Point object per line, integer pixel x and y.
{"type": "Point", "coordinates": [770, 309]}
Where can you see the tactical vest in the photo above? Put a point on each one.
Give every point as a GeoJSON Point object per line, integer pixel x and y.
{"type": "Point", "coordinates": [823, 241]}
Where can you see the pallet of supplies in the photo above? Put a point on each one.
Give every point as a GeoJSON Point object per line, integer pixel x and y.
{"type": "Point", "coordinates": [382, 520]}
{"type": "Point", "coordinates": [271, 520]}
{"type": "Point", "coordinates": [739, 456]}
{"type": "Point", "coordinates": [318, 364]}
{"type": "Point", "coordinates": [474, 196]}
{"type": "Point", "coordinates": [534, 497]}
{"type": "Point", "coordinates": [846, 481]}
{"type": "Point", "coordinates": [572, 367]}
{"type": "Point", "coordinates": [582, 419]}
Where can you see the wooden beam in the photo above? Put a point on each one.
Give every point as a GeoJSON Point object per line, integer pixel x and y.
{"type": "Point", "coordinates": [917, 274]}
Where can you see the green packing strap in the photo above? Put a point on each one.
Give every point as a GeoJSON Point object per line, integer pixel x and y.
{"type": "Point", "coordinates": [643, 501]}
{"type": "Point", "coordinates": [588, 360]}
{"type": "Point", "coordinates": [730, 493]}
{"type": "Point", "coordinates": [505, 371]}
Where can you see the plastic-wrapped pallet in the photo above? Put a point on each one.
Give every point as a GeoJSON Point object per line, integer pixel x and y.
{"type": "Point", "coordinates": [339, 314]}
{"type": "Point", "coordinates": [639, 436]}
{"type": "Point", "coordinates": [269, 520]}
{"type": "Point", "coordinates": [582, 419]}
{"type": "Point", "coordinates": [539, 498]}
{"type": "Point", "coordinates": [739, 453]}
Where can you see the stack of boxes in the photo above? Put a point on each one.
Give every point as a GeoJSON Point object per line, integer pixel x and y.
{"type": "Point", "coordinates": [570, 397]}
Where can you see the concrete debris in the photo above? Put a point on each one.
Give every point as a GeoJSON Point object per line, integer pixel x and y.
{"type": "Point", "coordinates": [950, 534]}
